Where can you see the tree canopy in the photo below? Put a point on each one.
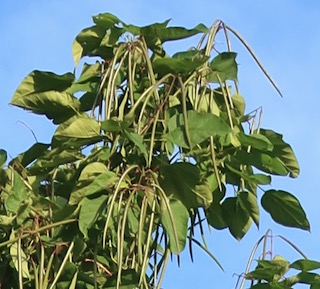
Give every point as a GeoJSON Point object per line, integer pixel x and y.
{"type": "Point", "coordinates": [148, 148]}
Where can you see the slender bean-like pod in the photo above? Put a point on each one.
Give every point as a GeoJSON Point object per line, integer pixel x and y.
{"type": "Point", "coordinates": [246, 45]}
{"type": "Point", "coordinates": [65, 259]}
{"type": "Point", "coordinates": [111, 204]}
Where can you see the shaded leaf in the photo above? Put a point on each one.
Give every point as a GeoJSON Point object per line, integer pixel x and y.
{"type": "Point", "coordinates": [285, 209]}
{"type": "Point", "coordinates": [215, 217]}
{"type": "Point", "coordinates": [3, 157]}
{"type": "Point", "coordinates": [309, 278]}
{"type": "Point", "coordinates": [182, 181]}
{"type": "Point", "coordinates": [257, 179]}
{"type": "Point", "coordinates": [179, 228]}
{"type": "Point", "coordinates": [224, 67]}
{"type": "Point", "coordinates": [129, 280]}
{"type": "Point", "coordinates": [305, 265]}
{"type": "Point", "coordinates": [236, 217]}
{"type": "Point", "coordinates": [17, 195]}
{"type": "Point", "coordinates": [137, 140]}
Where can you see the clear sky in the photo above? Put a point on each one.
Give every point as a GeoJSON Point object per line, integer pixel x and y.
{"type": "Point", "coordinates": [284, 34]}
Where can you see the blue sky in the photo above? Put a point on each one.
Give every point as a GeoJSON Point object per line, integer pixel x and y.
{"type": "Point", "coordinates": [284, 34]}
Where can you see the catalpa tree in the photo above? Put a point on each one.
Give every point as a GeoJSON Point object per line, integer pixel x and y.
{"type": "Point", "coordinates": [148, 147]}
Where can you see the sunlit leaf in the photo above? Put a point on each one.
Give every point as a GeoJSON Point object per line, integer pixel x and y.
{"type": "Point", "coordinates": [137, 140]}
{"type": "Point", "coordinates": [55, 157]}
{"type": "Point", "coordinates": [90, 71]}
{"type": "Point", "coordinates": [45, 93]}
{"type": "Point", "coordinates": [180, 63]}
{"type": "Point", "coordinates": [248, 202]}
{"type": "Point", "coordinates": [101, 182]}
{"type": "Point", "coordinates": [283, 152]}
{"type": "Point", "coordinates": [23, 259]}
{"type": "Point", "coordinates": [160, 32]}
{"type": "Point", "coordinates": [263, 161]}
{"type": "Point", "coordinates": [269, 270]}
{"type": "Point", "coordinates": [201, 127]}
{"type": "Point", "coordinates": [86, 42]}
{"type": "Point", "coordinates": [89, 210]}
{"type": "Point", "coordinates": [78, 131]}
{"type": "Point", "coordinates": [34, 152]}
{"type": "Point", "coordinates": [285, 209]}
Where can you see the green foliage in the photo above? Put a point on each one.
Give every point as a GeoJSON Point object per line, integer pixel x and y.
{"type": "Point", "coordinates": [277, 272]}
{"type": "Point", "coordinates": [147, 147]}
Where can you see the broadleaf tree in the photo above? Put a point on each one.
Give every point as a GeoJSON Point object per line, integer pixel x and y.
{"type": "Point", "coordinates": [148, 147]}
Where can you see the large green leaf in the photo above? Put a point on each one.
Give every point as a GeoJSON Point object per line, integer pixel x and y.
{"type": "Point", "coordinates": [264, 161]}
{"type": "Point", "coordinates": [269, 270]}
{"type": "Point", "coordinates": [237, 218]}
{"type": "Point", "coordinates": [137, 140]}
{"type": "Point", "coordinates": [283, 152]}
{"type": "Point", "coordinates": [86, 42]}
{"type": "Point", "coordinates": [285, 209]}
{"type": "Point", "coordinates": [153, 32]}
{"type": "Point", "coordinates": [90, 71]}
{"type": "Point", "coordinates": [78, 131]}
{"type": "Point", "coordinates": [34, 152]}
{"type": "Point", "coordinates": [55, 157]}
{"type": "Point", "coordinates": [183, 62]}
{"type": "Point", "coordinates": [182, 181]}
{"type": "Point", "coordinates": [101, 182]}
{"type": "Point", "coordinates": [248, 202]}
{"type": "Point", "coordinates": [305, 265]}
{"type": "Point", "coordinates": [17, 195]}
{"type": "Point", "coordinates": [15, 251]}
{"type": "Point", "coordinates": [215, 217]}
{"type": "Point", "coordinates": [129, 280]}
{"type": "Point", "coordinates": [201, 127]}
{"type": "Point", "coordinates": [45, 93]}
{"type": "Point", "coordinates": [174, 218]}
{"type": "Point", "coordinates": [91, 171]}
{"type": "Point", "coordinates": [3, 157]}
{"type": "Point", "coordinates": [256, 179]}
{"type": "Point", "coordinates": [89, 211]}
{"type": "Point", "coordinates": [257, 141]}
{"type": "Point", "coordinates": [224, 67]}
{"type": "Point", "coordinates": [160, 32]}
